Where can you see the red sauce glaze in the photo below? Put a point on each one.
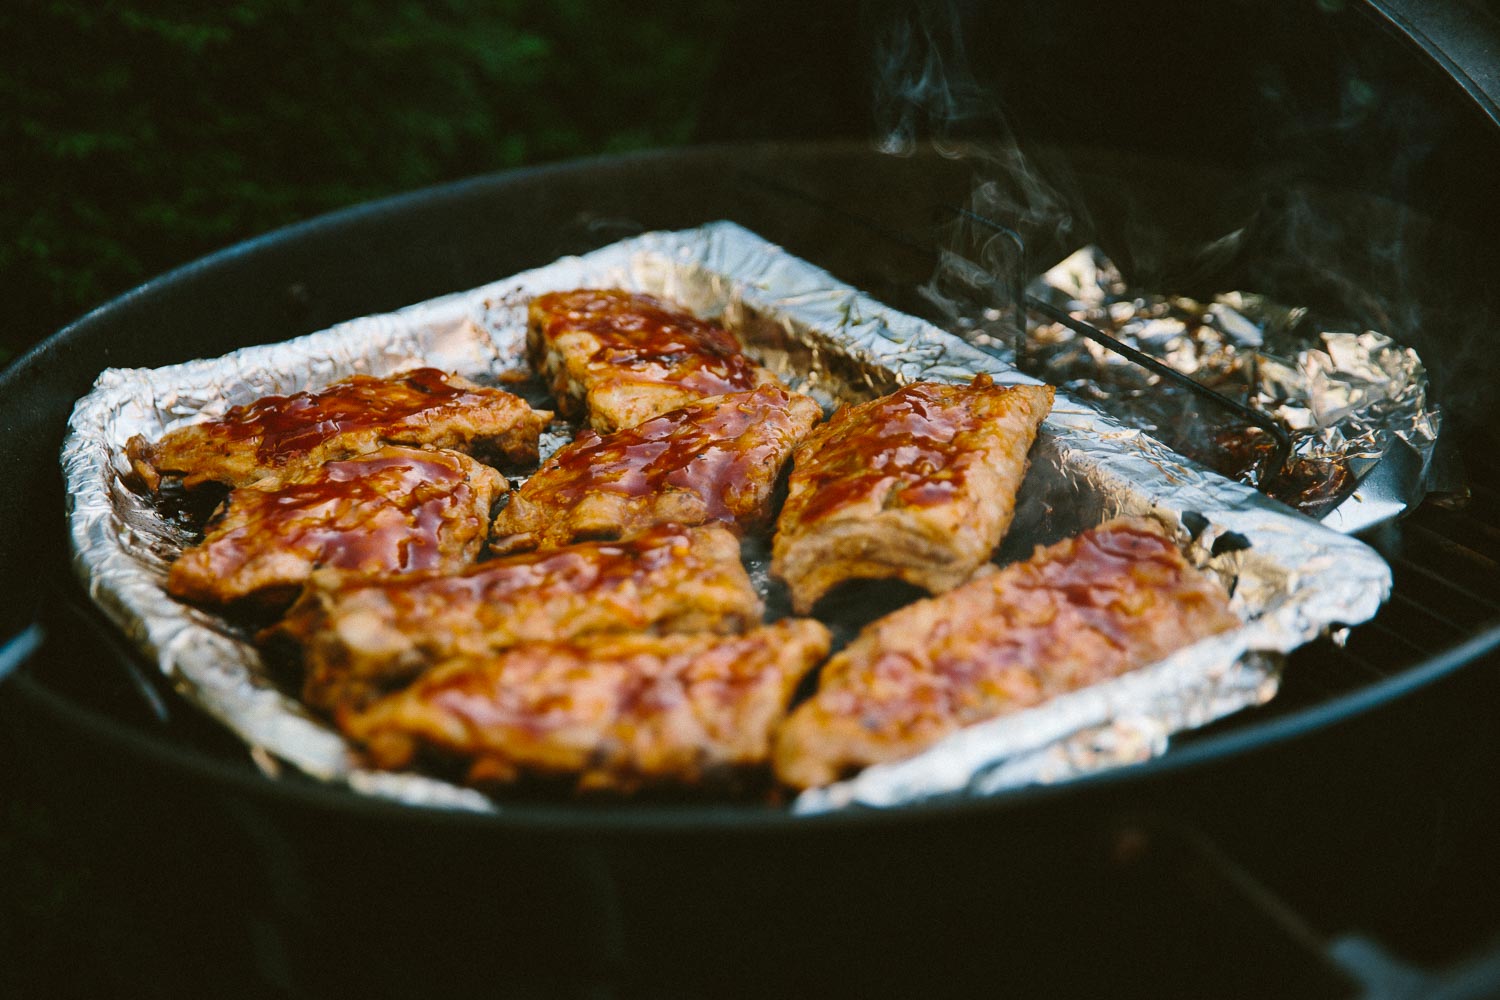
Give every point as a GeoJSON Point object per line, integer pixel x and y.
{"type": "Point", "coordinates": [546, 687]}
{"type": "Point", "coordinates": [697, 449]}
{"type": "Point", "coordinates": [1115, 599]}
{"type": "Point", "coordinates": [906, 443]}
{"type": "Point", "coordinates": [611, 686]}
{"type": "Point", "coordinates": [379, 515]}
{"type": "Point", "coordinates": [642, 338]}
{"type": "Point", "coordinates": [291, 425]}
{"type": "Point", "coordinates": [595, 568]}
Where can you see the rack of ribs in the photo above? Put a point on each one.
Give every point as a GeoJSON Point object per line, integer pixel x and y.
{"type": "Point", "coordinates": [614, 712]}
{"type": "Point", "coordinates": [919, 485]}
{"type": "Point", "coordinates": [287, 435]}
{"type": "Point", "coordinates": [716, 460]}
{"type": "Point", "coordinates": [359, 639]}
{"type": "Point", "coordinates": [1092, 607]}
{"type": "Point", "coordinates": [618, 358]}
{"type": "Point", "coordinates": [392, 512]}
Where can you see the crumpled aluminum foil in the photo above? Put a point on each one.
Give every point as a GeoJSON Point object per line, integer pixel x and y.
{"type": "Point", "coordinates": [1291, 579]}
{"type": "Point", "coordinates": [1351, 400]}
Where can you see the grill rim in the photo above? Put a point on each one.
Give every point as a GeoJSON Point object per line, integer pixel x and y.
{"type": "Point", "coordinates": [718, 817]}
{"type": "Point", "coordinates": [632, 818]}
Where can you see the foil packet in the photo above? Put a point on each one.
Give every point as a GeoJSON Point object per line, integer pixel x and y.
{"type": "Point", "coordinates": [1354, 402]}
{"type": "Point", "coordinates": [1291, 579]}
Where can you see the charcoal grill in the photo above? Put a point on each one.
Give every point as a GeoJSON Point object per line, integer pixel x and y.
{"type": "Point", "coordinates": [1268, 848]}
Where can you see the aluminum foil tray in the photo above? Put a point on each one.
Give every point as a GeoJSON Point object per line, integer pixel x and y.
{"type": "Point", "coordinates": [1291, 578]}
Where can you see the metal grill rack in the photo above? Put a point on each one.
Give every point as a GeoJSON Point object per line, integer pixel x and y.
{"type": "Point", "coordinates": [1445, 559]}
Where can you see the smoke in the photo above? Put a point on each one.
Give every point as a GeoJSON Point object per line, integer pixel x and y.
{"type": "Point", "coordinates": [925, 90]}
{"type": "Point", "coordinates": [1310, 204]}
{"type": "Point", "coordinates": [1316, 215]}
{"type": "Point", "coordinates": [923, 83]}
{"type": "Point", "coordinates": [1331, 222]}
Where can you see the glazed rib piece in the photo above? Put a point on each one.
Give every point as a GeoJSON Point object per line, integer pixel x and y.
{"type": "Point", "coordinates": [919, 485]}
{"type": "Point", "coordinates": [617, 711]}
{"type": "Point", "coordinates": [715, 460]}
{"type": "Point", "coordinates": [357, 640]}
{"type": "Point", "coordinates": [618, 358]}
{"type": "Point", "coordinates": [391, 512]}
{"type": "Point", "coordinates": [1087, 609]}
{"type": "Point", "coordinates": [288, 435]}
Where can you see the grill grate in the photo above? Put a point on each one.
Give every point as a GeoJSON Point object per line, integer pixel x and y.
{"type": "Point", "coordinates": [1445, 563]}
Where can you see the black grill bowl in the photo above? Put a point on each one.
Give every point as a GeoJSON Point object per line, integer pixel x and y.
{"type": "Point", "coordinates": [1350, 797]}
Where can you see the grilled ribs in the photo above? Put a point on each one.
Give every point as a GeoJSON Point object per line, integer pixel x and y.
{"type": "Point", "coordinates": [289, 435]}
{"type": "Point", "coordinates": [357, 640]}
{"type": "Point", "coordinates": [611, 712]}
{"type": "Point", "coordinates": [618, 358]}
{"type": "Point", "coordinates": [918, 485]}
{"type": "Point", "coordinates": [715, 460]}
{"type": "Point", "coordinates": [394, 511]}
{"type": "Point", "coordinates": [1089, 608]}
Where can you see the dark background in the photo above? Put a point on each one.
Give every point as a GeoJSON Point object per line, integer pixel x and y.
{"type": "Point", "coordinates": [137, 136]}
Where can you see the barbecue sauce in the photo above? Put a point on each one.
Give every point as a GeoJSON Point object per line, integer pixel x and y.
{"type": "Point", "coordinates": [642, 339]}
{"type": "Point", "coordinates": [1086, 610]}
{"type": "Point", "coordinates": [286, 426]}
{"type": "Point", "coordinates": [725, 453]}
{"type": "Point", "coordinates": [381, 514]}
{"type": "Point", "coordinates": [908, 447]}
{"type": "Point", "coordinates": [590, 569]}
{"type": "Point", "coordinates": [603, 682]}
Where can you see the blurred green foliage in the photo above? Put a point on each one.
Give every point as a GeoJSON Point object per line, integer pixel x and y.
{"type": "Point", "coordinates": [138, 135]}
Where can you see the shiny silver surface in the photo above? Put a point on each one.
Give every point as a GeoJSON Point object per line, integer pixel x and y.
{"type": "Point", "coordinates": [1351, 398]}
{"type": "Point", "coordinates": [1292, 578]}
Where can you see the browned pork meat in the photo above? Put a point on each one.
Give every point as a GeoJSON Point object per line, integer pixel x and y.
{"type": "Point", "coordinates": [919, 485]}
{"type": "Point", "coordinates": [715, 460]}
{"type": "Point", "coordinates": [1093, 607]}
{"type": "Point", "coordinates": [618, 358]}
{"type": "Point", "coordinates": [289, 435]}
{"type": "Point", "coordinates": [611, 712]}
{"type": "Point", "coordinates": [394, 511]}
{"type": "Point", "coordinates": [359, 639]}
